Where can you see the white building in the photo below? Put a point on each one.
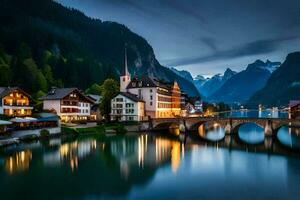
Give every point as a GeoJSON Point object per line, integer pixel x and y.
{"type": "Point", "coordinates": [68, 103]}
{"type": "Point", "coordinates": [159, 100]}
{"type": "Point", "coordinates": [127, 107]}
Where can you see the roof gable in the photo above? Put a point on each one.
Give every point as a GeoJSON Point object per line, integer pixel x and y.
{"type": "Point", "coordinates": [130, 96]}
{"type": "Point", "coordinates": [60, 93]}
{"type": "Point", "coordinates": [4, 91]}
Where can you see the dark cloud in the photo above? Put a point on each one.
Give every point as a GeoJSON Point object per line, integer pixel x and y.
{"type": "Point", "coordinates": [249, 49]}
{"type": "Point", "coordinates": [187, 32]}
{"type": "Point", "coordinates": [210, 42]}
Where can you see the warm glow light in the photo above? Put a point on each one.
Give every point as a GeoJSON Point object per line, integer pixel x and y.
{"type": "Point", "coordinates": [18, 162]}
{"type": "Point", "coordinates": [164, 149]}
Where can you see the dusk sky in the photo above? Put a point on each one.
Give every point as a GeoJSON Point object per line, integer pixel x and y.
{"type": "Point", "coordinates": [206, 36]}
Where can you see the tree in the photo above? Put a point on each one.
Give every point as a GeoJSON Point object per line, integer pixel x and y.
{"type": "Point", "coordinates": [94, 89]}
{"type": "Point", "coordinates": [38, 103]}
{"type": "Point", "coordinates": [47, 71]}
{"type": "Point", "coordinates": [41, 81]}
{"type": "Point", "coordinates": [109, 89]}
{"type": "Point", "coordinates": [5, 70]}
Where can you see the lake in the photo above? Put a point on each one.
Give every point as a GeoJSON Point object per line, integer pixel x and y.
{"type": "Point", "coordinates": [154, 166]}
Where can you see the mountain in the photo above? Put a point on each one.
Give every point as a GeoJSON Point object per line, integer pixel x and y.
{"type": "Point", "coordinates": [199, 81]}
{"type": "Point", "coordinates": [208, 86]}
{"type": "Point", "coordinates": [183, 73]}
{"type": "Point", "coordinates": [45, 44]}
{"type": "Point", "coordinates": [240, 86]}
{"type": "Point", "coordinates": [282, 86]}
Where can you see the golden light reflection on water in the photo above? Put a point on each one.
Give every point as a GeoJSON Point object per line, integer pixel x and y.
{"type": "Point", "coordinates": [164, 149]}
{"type": "Point", "coordinates": [18, 162]}
{"type": "Point", "coordinates": [142, 149]}
{"type": "Point", "coordinates": [205, 129]}
{"type": "Point", "coordinates": [74, 151]}
{"type": "Point", "coordinates": [201, 130]}
{"type": "Point", "coordinates": [174, 129]}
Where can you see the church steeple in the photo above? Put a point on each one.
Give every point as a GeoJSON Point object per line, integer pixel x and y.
{"type": "Point", "coordinates": [126, 65]}
{"type": "Point", "coordinates": [125, 76]}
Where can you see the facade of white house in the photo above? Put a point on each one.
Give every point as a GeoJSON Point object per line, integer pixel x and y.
{"type": "Point", "coordinates": [127, 107]}
{"type": "Point", "coordinates": [68, 103]}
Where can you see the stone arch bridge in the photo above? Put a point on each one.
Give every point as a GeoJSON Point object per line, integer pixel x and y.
{"type": "Point", "coordinates": [231, 125]}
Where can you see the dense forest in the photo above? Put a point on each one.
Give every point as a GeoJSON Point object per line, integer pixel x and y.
{"type": "Point", "coordinates": [44, 44]}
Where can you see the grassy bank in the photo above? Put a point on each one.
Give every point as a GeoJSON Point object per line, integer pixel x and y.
{"type": "Point", "coordinates": [119, 128]}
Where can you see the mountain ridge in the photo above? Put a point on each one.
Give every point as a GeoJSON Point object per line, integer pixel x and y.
{"type": "Point", "coordinates": [77, 49]}
{"type": "Point", "coordinates": [242, 85]}
{"type": "Point", "coordinates": [282, 86]}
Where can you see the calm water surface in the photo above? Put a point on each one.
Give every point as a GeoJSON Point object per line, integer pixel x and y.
{"type": "Point", "coordinates": [255, 113]}
{"type": "Point", "coordinates": [145, 166]}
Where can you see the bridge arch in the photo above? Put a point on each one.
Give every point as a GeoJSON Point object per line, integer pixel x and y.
{"type": "Point", "coordinates": [236, 125]}
{"type": "Point", "coordinates": [165, 126]}
{"type": "Point", "coordinates": [195, 126]}
{"type": "Point", "coordinates": [278, 126]}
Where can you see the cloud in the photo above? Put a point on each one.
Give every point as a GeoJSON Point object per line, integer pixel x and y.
{"type": "Point", "coordinates": [210, 42]}
{"type": "Point", "coordinates": [253, 48]}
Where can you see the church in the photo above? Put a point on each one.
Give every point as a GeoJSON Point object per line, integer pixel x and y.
{"type": "Point", "coordinates": [145, 97]}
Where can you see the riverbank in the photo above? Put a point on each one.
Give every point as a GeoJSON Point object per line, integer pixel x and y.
{"type": "Point", "coordinates": [104, 129]}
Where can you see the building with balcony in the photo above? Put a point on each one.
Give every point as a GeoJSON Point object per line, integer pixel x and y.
{"type": "Point", "coordinates": [127, 107]}
{"type": "Point", "coordinates": [68, 103]}
{"type": "Point", "coordinates": [161, 100]}
{"type": "Point", "coordinates": [14, 102]}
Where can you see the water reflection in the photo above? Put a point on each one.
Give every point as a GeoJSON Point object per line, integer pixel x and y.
{"type": "Point", "coordinates": [251, 133]}
{"type": "Point", "coordinates": [18, 162]}
{"type": "Point", "coordinates": [164, 149]}
{"type": "Point", "coordinates": [269, 113]}
{"type": "Point", "coordinates": [289, 137]}
{"type": "Point", "coordinates": [69, 153]}
{"type": "Point", "coordinates": [212, 132]}
{"type": "Point", "coordinates": [146, 166]}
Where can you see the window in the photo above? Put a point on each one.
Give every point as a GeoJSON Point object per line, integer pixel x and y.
{"type": "Point", "coordinates": [119, 99]}
{"type": "Point", "coordinates": [140, 84]}
{"type": "Point", "coordinates": [123, 79]}
{"type": "Point", "coordinates": [133, 84]}
{"type": "Point", "coordinates": [151, 90]}
{"type": "Point", "coordinates": [151, 103]}
{"type": "Point", "coordinates": [151, 97]}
